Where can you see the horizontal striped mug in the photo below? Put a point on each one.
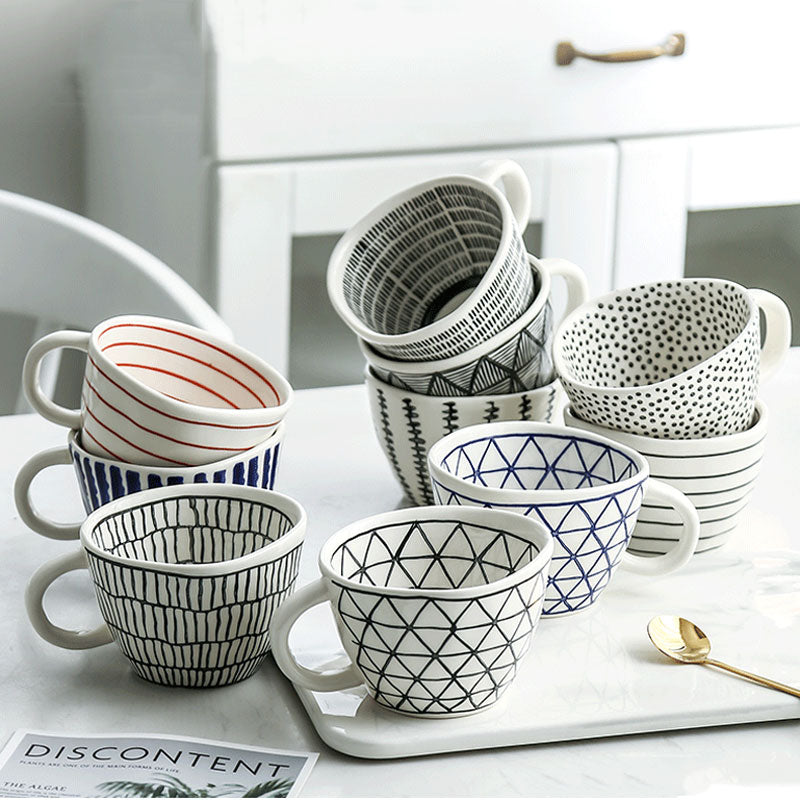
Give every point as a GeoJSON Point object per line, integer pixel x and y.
{"type": "Point", "coordinates": [159, 392]}
{"type": "Point", "coordinates": [102, 480]}
{"type": "Point", "coordinates": [187, 579]}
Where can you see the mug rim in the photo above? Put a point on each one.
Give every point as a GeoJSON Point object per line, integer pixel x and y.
{"type": "Point", "coordinates": [559, 361]}
{"type": "Point", "coordinates": [537, 534]}
{"type": "Point", "coordinates": [525, 319]}
{"type": "Point", "coordinates": [236, 416]}
{"type": "Point", "coordinates": [269, 552]}
{"type": "Point", "coordinates": [345, 245]}
{"type": "Point", "coordinates": [707, 446]}
{"type": "Point", "coordinates": [469, 399]}
{"type": "Point", "coordinates": [276, 437]}
{"type": "Point", "coordinates": [515, 497]}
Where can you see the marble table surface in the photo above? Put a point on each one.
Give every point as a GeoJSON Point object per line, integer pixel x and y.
{"type": "Point", "coordinates": [332, 464]}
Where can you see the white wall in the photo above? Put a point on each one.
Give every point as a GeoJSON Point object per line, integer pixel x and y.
{"type": "Point", "coordinates": [40, 123]}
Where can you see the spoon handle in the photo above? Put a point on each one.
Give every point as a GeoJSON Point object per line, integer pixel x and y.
{"type": "Point", "coordinates": [781, 687]}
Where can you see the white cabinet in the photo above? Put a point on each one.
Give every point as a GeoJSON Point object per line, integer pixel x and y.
{"type": "Point", "coordinates": [224, 135]}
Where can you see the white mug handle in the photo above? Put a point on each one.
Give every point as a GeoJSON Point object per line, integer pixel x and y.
{"type": "Point", "coordinates": [515, 184]}
{"type": "Point", "coordinates": [664, 494]}
{"type": "Point", "coordinates": [22, 495]}
{"type": "Point", "coordinates": [34, 603]}
{"type": "Point", "coordinates": [778, 331]}
{"type": "Point", "coordinates": [76, 340]}
{"type": "Point", "coordinates": [574, 277]}
{"type": "Point", "coordinates": [282, 623]}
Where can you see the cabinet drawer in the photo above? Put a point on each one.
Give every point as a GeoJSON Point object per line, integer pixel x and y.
{"type": "Point", "coordinates": [305, 79]}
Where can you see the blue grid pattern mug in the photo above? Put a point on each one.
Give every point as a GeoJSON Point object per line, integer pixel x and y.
{"type": "Point", "coordinates": [586, 489]}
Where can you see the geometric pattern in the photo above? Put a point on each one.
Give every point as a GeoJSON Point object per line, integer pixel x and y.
{"type": "Point", "coordinates": [185, 629]}
{"type": "Point", "coordinates": [423, 254]}
{"type": "Point", "coordinates": [591, 523]}
{"type": "Point", "coordinates": [422, 648]}
{"type": "Point", "coordinates": [523, 362]}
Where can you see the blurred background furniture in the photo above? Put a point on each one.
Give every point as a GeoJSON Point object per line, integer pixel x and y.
{"type": "Point", "coordinates": [238, 140]}
{"type": "Point", "coordinates": [58, 270]}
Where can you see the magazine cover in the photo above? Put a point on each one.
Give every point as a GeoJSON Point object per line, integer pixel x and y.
{"type": "Point", "coordinates": [36, 764]}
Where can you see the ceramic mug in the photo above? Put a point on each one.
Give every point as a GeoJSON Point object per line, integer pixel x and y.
{"type": "Point", "coordinates": [438, 268]}
{"type": "Point", "coordinates": [435, 607]}
{"type": "Point", "coordinates": [408, 424]}
{"type": "Point", "coordinates": [676, 359]}
{"type": "Point", "coordinates": [586, 489]}
{"type": "Point", "coordinates": [514, 360]}
{"type": "Point", "coordinates": [717, 475]}
{"type": "Point", "coordinates": [187, 579]}
{"type": "Point", "coordinates": [157, 392]}
{"type": "Point", "coordinates": [101, 480]}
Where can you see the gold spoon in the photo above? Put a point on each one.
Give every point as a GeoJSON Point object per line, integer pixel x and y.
{"type": "Point", "coordinates": [683, 641]}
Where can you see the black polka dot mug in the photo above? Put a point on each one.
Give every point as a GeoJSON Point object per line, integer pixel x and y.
{"type": "Point", "coordinates": [675, 359]}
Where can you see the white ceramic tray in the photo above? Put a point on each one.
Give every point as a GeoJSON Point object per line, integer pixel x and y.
{"type": "Point", "coordinates": [596, 673]}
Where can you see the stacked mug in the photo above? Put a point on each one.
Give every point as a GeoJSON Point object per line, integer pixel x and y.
{"type": "Point", "coordinates": [175, 450]}
{"type": "Point", "coordinates": [672, 370]}
{"type": "Point", "coordinates": [453, 316]}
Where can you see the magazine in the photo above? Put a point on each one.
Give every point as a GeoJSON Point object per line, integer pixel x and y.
{"type": "Point", "coordinates": [34, 764]}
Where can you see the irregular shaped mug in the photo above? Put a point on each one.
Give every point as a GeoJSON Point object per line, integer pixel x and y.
{"type": "Point", "coordinates": [187, 579]}
{"type": "Point", "coordinates": [101, 480]}
{"type": "Point", "coordinates": [438, 268]}
{"type": "Point", "coordinates": [435, 607]}
{"type": "Point", "coordinates": [159, 392]}
{"type": "Point", "coordinates": [586, 489]}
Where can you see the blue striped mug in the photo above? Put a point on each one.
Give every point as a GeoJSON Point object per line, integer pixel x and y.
{"type": "Point", "coordinates": [102, 480]}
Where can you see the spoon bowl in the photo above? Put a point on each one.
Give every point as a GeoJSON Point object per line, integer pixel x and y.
{"type": "Point", "coordinates": [679, 639]}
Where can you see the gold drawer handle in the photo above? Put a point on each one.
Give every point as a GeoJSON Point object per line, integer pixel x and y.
{"type": "Point", "coordinates": [566, 53]}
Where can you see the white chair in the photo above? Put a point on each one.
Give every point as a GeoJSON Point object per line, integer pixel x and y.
{"type": "Point", "coordinates": [63, 270]}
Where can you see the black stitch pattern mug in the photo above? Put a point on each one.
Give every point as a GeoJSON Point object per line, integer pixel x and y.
{"type": "Point", "coordinates": [187, 579]}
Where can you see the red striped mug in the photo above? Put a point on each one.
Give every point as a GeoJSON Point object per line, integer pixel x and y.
{"type": "Point", "coordinates": [160, 392]}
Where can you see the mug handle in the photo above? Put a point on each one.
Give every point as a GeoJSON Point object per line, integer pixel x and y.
{"type": "Point", "coordinates": [679, 555]}
{"type": "Point", "coordinates": [515, 184]}
{"type": "Point", "coordinates": [55, 456]}
{"type": "Point", "coordinates": [778, 330]}
{"type": "Point", "coordinates": [574, 277]}
{"type": "Point", "coordinates": [282, 623]}
{"type": "Point", "coordinates": [34, 603]}
{"type": "Point", "coordinates": [76, 340]}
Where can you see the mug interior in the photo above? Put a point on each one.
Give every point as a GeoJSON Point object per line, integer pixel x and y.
{"type": "Point", "coordinates": [530, 461]}
{"type": "Point", "coordinates": [650, 333]}
{"type": "Point", "coordinates": [423, 258]}
{"type": "Point", "coordinates": [431, 554]}
{"type": "Point", "coordinates": [190, 530]}
{"type": "Point", "coordinates": [185, 366]}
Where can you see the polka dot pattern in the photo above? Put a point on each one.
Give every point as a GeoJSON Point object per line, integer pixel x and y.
{"type": "Point", "coordinates": [671, 360]}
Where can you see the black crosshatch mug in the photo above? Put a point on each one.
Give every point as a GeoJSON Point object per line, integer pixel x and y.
{"type": "Point", "coordinates": [435, 607]}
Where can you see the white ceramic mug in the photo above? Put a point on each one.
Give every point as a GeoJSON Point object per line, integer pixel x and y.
{"type": "Point", "coordinates": [586, 489]}
{"type": "Point", "coordinates": [438, 268]}
{"type": "Point", "coordinates": [435, 607]}
{"type": "Point", "coordinates": [161, 393]}
{"type": "Point", "coordinates": [408, 424]}
{"type": "Point", "coordinates": [717, 475]}
{"type": "Point", "coordinates": [187, 579]}
{"type": "Point", "coordinates": [677, 359]}
{"type": "Point", "coordinates": [101, 480]}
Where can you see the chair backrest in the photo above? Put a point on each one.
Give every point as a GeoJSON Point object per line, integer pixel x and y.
{"type": "Point", "coordinates": [64, 270]}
